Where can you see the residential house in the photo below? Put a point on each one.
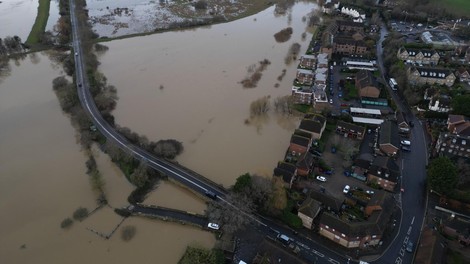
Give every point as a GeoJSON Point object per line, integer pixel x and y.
{"type": "Point", "coordinates": [302, 95]}
{"type": "Point", "coordinates": [375, 202]}
{"type": "Point", "coordinates": [321, 75]}
{"type": "Point", "coordinates": [327, 202]}
{"type": "Point", "coordinates": [354, 13]}
{"type": "Point", "coordinates": [287, 172]}
{"type": "Point", "coordinates": [304, 77]}
{"type": "Point", "coordinates": [389, 143]}
{"type": "Point", "coordinates": [431, 248]}
{"type": "Point", "coordinates": [367, 84]}
{"type": "Point", "coordinates": [330, 6]}
{"type": "Point", "coordinates": [305, 164]}
{"type": "Point", "coordinates": [269, 251]}
{"type": "Point", "coordinates": [430, 92]}
{"type": "Point", "coordinates": [385, 172]}
{"type": "Point", "coordinates": [421, 75]}
{"type": "Point", "coordinates": [313, 124]}
{"type": "Point", "coordinates": [463, 74]}
{"type": "Point", "coordinates": [298, 145]}
{"type": "Point", "coordinates": [348, 46]}
{"type": "Point", "coordinates": [453, 145]}
{"type": "Point", "coordinates": [350, 130]}
{"type": "Point", "coordinates": [322, 60]}
{"type": "Point", "coordinates": [360, 168]}
{"type": "Point", "coordinates": [440, 103]}
{"type": "Point", "coordinates": [357, 234]}
{"type": "Point", "coordinates": [403, 126]}
{"type": "Point", "coordinates": [307, 211]}
{"type": "Point", "coordinates": [308, 61]}
{"type": "Point", "coordinates": [419, 56]}
{"type": "Point", "coordinates": [349, 26]}
{"type": "Point", "coordinates": [459, 228]}
{"type": "Point", "coordinates": [453, 121]}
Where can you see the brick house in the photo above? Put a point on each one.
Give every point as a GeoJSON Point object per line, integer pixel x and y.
{"type": "Point", "coordinates": [348, 46]}
{"type": "Point", "coordinates": [287, 172]}
{"type": "Point", "coordinates": [421, 75]}
{"type": "Point", "coordinates": [307, 211]}
{"type": "Point", "coordinates": [313, 124]}
{"type": "Point", "coordinates": [453, 121]}
{"type": "Point", "coordinates": [463, 74]}
{"type": "Point", "coordinates": [302, 95]}
{"type": "Point", "coordinates": [349, 26]}
{"type": "Point", "coordinates": [298, 145]}
{"type": "Point", "coordinates": [360, 168]}
{"type": "Point", "coordinates": [308, 61]}
{"type": "Point", "coordinates": [357, 234]}
{"type": "Point", "coordinates": [305, 164]}
{"type": "Point", "coordinates": [367, 84]}
{"type": "Point", "coordinates": [385, 172]}
{"type": "Point", "coordinates": [453, 145]}
{"type": "Point", "coordinates": [350, 130]}
{"type": "Point", "coordinates": [304, 77]}
{"type": "Point", "coordinates": [420, 56]}
{"type": "Point", "coordinates": [388, 142]}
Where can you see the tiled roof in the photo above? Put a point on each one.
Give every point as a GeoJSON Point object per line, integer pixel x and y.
{"type": "Point", "coordinates": [436, 73]}
{"type": "Point", "coordinates": [389, 133]}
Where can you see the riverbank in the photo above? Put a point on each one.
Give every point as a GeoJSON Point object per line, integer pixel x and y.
{"type": "Point", "coordinates": [40, 23]}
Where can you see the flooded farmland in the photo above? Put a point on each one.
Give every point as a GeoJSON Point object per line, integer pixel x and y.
{"type": "Point", "coordinates": [17, 17]}
{"type": "Point", "coordinates": [186, 85]}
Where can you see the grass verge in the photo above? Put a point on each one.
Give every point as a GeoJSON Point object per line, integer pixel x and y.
{"type": "Point", "coordinates": [40, 23]}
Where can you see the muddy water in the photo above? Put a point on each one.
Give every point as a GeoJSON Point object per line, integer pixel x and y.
{"type": "Point", "coordinates": [43, 180]}
{"type": "Point", "coordinates": [53, 15]}
{"type": "Point", "coordinates": [17, 17]}
{"type": "Point", "coordinates": [185, 85]}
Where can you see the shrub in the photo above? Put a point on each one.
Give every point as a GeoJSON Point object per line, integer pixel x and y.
{"type": "Point", "coordinates": [169, 148]}
{"type": "Point", "coordinates": [80, 214]}
{"type": "Point", "coordinates": [128, 232]}
{"type": "Point", "coordinates": [66, 223]}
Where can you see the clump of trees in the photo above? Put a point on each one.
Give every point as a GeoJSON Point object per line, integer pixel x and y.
{"type": "Point", "coordinates": [196, 255]}
{"type": "Point", "coordinates": [461, 105]}
{"type": "Point", "coordinates": [284, 105]}
{"type": "Point", "coordinates": [128, 232]}
{"type": "Point", "coordinates": [442, 175]}
{"type": "Point", "coordinates": [283, 35]}
{"type": "Point", "coordinates": [10, 45]}
{"type": "Point", "coordinates": [80, 214]}
{"type": "Point", "coordinates": [168, 148]}
{"type": "Point", "coordinates": [260, 106]}
{"type": "Point", "coordinates": [254, 74]}
{"type": "Point", "coordinates": [250, 193]}
{"type": "Point", "coordinates": [200, 5]}
{"type": "Point", "coordinates": [292, 53]}
{"type": "Point", "coordinates": [66, 223]}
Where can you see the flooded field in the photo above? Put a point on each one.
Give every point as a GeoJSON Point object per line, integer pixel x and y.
{"type": "Point", "coordinates": [53, 15]}
{"type": "Point", "coordinates": [186, 85]}
{"type": "Point", "coordinates": [43, 181]}
{"type": "Point", "coordinates": [17, 17]}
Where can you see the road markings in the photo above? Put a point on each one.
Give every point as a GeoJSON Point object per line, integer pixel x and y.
{"type": "Point", "coordinates": [413, 220]}
{"type": "Point", "coordinates": [333, 261]}
{"type": "Point", "coordinates": [318, 253]}
{"type": "Point", "coordinates": [409, 230]}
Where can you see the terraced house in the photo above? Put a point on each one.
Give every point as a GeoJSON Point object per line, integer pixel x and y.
{"type": "Point", "coordinates": [422, 75]}
{"type": "Point", "coordinates": [419, 56]}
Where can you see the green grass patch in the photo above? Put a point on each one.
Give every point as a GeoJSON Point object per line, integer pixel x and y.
{"type": "Point", "coordinates": [302, 108]}
{"type": "Point", "coordinates": [456, 7]}
{"type": "Point", "coordinates": [40, 23]}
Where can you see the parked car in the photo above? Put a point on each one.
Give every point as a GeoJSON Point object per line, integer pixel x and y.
{"type": "Point", "coordinates": [406, 142]}
{"type": "Point", "coordinates": [213, 226]}
{"type": "Point", "coordinates": [370, 192]}
{"type": "Point", "coordinates": [321, 178]}
{"type": "Point", "coordinates": [405, 148]}
{"type": "Point", "coordinates": [409, 246]}
{"type": "Point", "coordinates": [331, 101]}
{"type": "Point", "coordinates": [346, 189]}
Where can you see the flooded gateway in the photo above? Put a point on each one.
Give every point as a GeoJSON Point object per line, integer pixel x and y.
{"type": "Point", "coordinates": [43, 181]}
{"type": "Point", "coordinates": [186, 85]}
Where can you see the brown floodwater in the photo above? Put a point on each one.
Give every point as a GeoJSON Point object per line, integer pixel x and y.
{"type": "Point", "coordinates": [43, 180]}
{"type": "Point", "coordinates": [17, 17]}
{"type": "Point", "coordinates": [186, 85]}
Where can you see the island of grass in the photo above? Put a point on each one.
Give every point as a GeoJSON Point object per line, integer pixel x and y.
{"type": "Point", "coordinates": [40, 23]}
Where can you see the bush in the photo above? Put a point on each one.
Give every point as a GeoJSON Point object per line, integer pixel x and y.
{"type": "Point", "coordinates": [66, 223]}
{"type": "Point", "coordinates": [168, 148]}
{"type": "Point", "coordinates": [291, 219]}
{"type": "Point", "coordinates": [80, 214]}
{"type": "Point", "coordinates": [128, 232]}
{"type": "Point", "coordinates": [200, 5]}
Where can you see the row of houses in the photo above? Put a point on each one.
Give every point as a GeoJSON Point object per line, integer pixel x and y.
{"type": "Point", "coordinates": [345, 38]}
{"type": "Point", "coordinates": [298, 161]}
{"type": "Point", "coordinates": [455, 142]}
{"type": "Point", "coordinates": [311, 78]}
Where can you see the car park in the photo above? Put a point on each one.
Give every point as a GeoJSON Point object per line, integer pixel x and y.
{"type": "Point", "coordinates": [213, 226]}
{"type": "Point", "coordinates": [346, 189]}
{"type": "Point", "coordinates": [321, 178]}
{"type": "Point", "coordinates": [406, 142]}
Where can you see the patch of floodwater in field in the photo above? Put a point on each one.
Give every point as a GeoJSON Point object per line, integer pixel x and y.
{"type": "Point", "coordinates": [53, 15]}
{"type": "Point", "coordinates": [185, 85]}
{"type": "Point", "coordinates": [17, 17]}
{"type": "Point", "coordinates": [43, 180]}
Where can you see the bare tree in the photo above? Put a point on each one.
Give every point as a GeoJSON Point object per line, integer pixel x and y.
{"type": "Point", "coordinates": [260, 106]}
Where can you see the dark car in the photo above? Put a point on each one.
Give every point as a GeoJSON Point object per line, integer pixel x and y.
{"type": "Point", "coordinates": [211, 195]}
{"type": "Point", "coordinates": [412, 124]}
